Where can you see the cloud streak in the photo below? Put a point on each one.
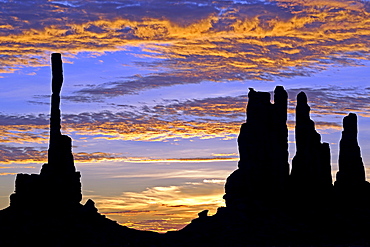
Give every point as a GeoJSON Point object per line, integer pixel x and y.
{"type": "Point", "coordinates": [26, 155]}
{"type": "Point", "coordinates": [206, 118]}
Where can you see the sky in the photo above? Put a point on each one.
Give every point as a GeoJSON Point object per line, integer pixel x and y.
{"type": "Point", "coordinates": [155, 91]}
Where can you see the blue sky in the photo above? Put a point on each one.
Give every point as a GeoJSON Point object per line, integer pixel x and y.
{"type": "Point", "coordinates": [155, 91]}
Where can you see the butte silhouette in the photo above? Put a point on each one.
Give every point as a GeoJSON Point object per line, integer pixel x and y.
{"type": "Point", "coordinates": [267, 204]}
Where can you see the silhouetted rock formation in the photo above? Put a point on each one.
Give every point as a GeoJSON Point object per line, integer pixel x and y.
{"type": "Point", "coordinates": [58, 182]}
{"type": "Point", "coordinates": [352, 191]}
{"type": "Point", "coordinates": [311, 170]}
{"type": "Point", "coordinates": [45, 209]}
{"type": "Point", "coordinates": [262, 209]}
{"type": "Point", "coordinates": [265, 206]}
{"type": "Point", "coordinates": [351, 185]}
{"type": "Point", "coordinates": [263, 148]}
{"type": "Point", "coordinates": [351, 168]}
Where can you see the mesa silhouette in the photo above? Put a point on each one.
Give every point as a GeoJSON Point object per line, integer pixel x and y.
{"type": "Point", "coordinates": [266, 204]}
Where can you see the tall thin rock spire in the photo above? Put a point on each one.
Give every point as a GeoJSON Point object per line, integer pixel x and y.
{"type": "Point", "coordinates": [56, 86]}
{"type": "Point", "coordinates": [60, 146]}
{"type": "Point", "coordinates": [311, 169]}
{"type": "Point", "coordinates": [58, 182]}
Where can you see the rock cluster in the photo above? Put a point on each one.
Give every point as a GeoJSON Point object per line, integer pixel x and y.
{"type": "Point", "coordinates": [268, 205]}
{"type": "Point", "coordinates": [263, 170]}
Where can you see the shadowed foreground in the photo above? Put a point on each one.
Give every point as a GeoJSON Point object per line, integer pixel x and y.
{"type": "Point", "coordinates": [266, 205]}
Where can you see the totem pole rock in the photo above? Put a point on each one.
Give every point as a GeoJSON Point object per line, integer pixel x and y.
{"type": "Point", "coordinates": [58, 183]}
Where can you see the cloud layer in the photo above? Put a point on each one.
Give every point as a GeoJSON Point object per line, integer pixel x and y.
{"type": "Point", "coordinates": [206, 118]}
{"type": "Point", "coordinates": [194, 41]}
{"type": "Point", "coordinates": [218, 117]}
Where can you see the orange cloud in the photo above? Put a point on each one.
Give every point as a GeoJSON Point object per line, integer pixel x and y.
{"type": "Point", "coordinates": [156, 130]}
{"type": "Point", "coordinates": [26, 155]}
{"type": "Point", "coordinates": [209, 118]}
{"type": "Point", "coordinates": [24, 133]}
{"type": "Point", "coordinates": [253, 41]}
{"type": "Point", "coordinates": [179, 160]}
{"type": "Point", "coordinates": [7, 173]}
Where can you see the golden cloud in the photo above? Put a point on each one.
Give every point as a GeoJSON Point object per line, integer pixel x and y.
{"type": "Point", "coordinates": [24, 133]}
{"type": "Point", "coordinates": [212, 118]}
{"type": "Point", "coordinates": [157, 130]}
{"type": "Point", "coordinates": [146, 126]}
{"type": "Point", "coordinates": [163, 130]}
{"type": "Point", "coordinates": [241, 41]}
{"type": "Point", "coordinates": [7, 173]}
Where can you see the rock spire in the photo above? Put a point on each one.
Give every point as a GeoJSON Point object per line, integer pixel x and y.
{"type": "Point", "coordinates": [351, 186]}
{"type": "Point", "coordinates": [263, 148]}
{"type": "Point", "coordinates": [311, 169]}
{"type": "Point", "coordinates": [58, 180]}
{"type": "Point", "coordinates": [351, 167]}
